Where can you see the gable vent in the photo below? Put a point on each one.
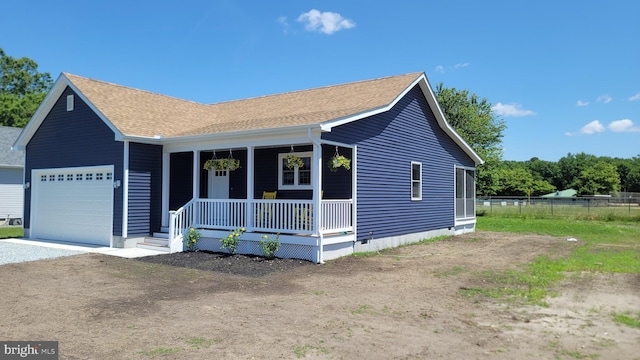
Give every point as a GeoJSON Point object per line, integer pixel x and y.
{"type": "Point", "coordinates": [69, 102]}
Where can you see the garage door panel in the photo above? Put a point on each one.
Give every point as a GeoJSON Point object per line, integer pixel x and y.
{"type": "Point", "coordinates": [73, 204]}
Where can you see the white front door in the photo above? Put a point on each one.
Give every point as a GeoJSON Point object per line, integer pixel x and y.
{"type": "Point", "coordinates": [218, 189]}
{"type": "Point", "coordinates": [218, 184]}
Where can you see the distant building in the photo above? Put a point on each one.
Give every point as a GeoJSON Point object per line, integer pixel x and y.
{"type": "Point", "coordinates": [568, 193]}
{"type": "Point", "coordinates": [11, 169]}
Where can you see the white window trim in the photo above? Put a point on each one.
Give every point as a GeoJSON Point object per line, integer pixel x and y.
{"type": "Point", "coordinates": [70, 102]}
{"type": "Point", "coordinates": [416, 198]}
{"type": "Point", "coordinates": [295, 185]}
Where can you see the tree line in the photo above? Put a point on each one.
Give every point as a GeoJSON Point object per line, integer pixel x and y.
{"type": "Point", "coordinates": [474, 120]}
{"type": "Point", "coordinates": [23, 88]}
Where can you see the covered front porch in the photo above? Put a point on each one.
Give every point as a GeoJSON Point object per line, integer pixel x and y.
{"type": "Point", "coordinates": [310, 207]}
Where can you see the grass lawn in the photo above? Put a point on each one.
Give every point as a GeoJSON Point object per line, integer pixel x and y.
{"type": "Point", "coordinates": [11, 232]}
{"type": "Point", "coordinates": [607, 246]}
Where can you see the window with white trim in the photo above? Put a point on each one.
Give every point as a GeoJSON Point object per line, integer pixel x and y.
{"type": "Point", "coordinates": [416, 180]}
{"type": "Point", "coordinates": [465, 193]}
{"type": "Point", "coordinates": [70, 102]}
{"type": "Point", "coordinates": [298, 178]}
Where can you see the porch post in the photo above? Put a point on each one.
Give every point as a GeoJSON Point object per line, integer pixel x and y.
{"type": "Point", "coordinates": [165, 189]}
{"type": "Point", "coordinates": [316, 182]}
{"type": "Point", "coordinates": [125, 191]}
{"type": "Point", "coordinates": [196, 189]}
{"type": "Point", "coordinates": [250, 169]}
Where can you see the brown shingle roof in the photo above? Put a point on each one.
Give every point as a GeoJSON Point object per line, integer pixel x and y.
{"type": "Point", "coordinates": [141, 113]}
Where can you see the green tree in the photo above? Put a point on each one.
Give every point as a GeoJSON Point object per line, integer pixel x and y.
{"type": "Point", "coordinates": [571, 166]}
{"type": "Point", "coordinates": [22, 89]}
{"type": "Point", "coordinates": [600, 178]}
{"type": "Point", "coordinates": [476, 123]}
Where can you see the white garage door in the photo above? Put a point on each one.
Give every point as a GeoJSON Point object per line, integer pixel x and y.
{"type": "Point", "coordinates": [72, 204]}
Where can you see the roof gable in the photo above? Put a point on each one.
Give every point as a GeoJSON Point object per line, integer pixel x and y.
{"type": "Point", "coordinates": [9, 158]}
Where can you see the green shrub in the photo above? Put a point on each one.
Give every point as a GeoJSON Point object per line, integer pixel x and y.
{"type": "Point", "coordinates": [231, 241]}
{"type": "Point", "coordinates": [270, 246]}
{"type": "Point", "coordinates": [191, 239]}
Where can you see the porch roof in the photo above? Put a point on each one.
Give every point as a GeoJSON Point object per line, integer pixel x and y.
{"type": "Point", "coordinates": [142, 113]}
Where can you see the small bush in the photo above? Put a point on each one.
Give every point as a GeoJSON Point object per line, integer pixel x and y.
{"type": "Point", "coordinates": [270, 246]}
{"type": "Point", "coordinates": [191, 239]}
{"type": "Point", "coordinates": [231, 241]}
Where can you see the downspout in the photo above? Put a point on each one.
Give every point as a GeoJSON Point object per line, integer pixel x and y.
{"type": "Point", "coordinates": [317, 201]}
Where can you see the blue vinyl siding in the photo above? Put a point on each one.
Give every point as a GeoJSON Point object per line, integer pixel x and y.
{"type": "Point", "coordinates": [72, 139]}
{"type": "Point", "coordinates": [387, 144]}
{"type": "Point", "coordinates": [145, 188]}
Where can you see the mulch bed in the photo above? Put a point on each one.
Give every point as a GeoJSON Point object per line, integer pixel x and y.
{"type": "Point", "coordinates": [244, 265]}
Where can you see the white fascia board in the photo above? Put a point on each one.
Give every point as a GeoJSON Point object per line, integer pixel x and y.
{"type": "Point", "coordinates": [327, 126]}
{"type": "Point", "coordinates": [294, 135]}
{"type": "Point", "coordinates": [45, 107]}
{"type": "Point", "coordinates": [118, 134]}
{"type": "Point", "coordinates": [43, 110]}
{"type": "Point", "coordinates": [423, 82]}
{"type": "Point", "coordinates": [442, 121]}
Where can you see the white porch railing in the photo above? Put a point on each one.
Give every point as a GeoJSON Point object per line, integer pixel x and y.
{"type": "Point", "coordinates": [274, 216]}
{"type": "Point", "coordinates": [179, 222]}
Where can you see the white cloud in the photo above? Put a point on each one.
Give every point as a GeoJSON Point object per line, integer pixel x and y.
{"type": "Point", "coordinates": [325, 22]}
{"type": "Point", "coordinates": [582, 103]}
{"type": "Point", "coordinates": [635, 97]}
{"type": "Point", "coordinates": [593, 127]}
{"type": "Point", "coordinates": [441, 69]}
{"type": "Point", "coordinates": [604, 99]}
{"type": "Point", "coordinates": [282, 20]}
{"type": "Point", "coordinates": [624, 125]}
{"type": "Point", "coordinates": [514, 110]}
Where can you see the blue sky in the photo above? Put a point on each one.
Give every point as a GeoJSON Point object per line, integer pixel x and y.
{"type": "Point", "coordinates": [564, 75]}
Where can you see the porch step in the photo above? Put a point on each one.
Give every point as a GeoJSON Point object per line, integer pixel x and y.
{"type": "Point", "coordinates": [161, 235]}
{"type": "Point", "coordinates": [154, 243]}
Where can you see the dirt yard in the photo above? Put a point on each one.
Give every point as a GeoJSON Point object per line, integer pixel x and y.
{"type": "Point", "coordinates": [403, 304]}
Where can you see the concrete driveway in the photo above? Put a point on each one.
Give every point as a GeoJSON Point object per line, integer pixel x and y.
{"type": "Point", "coordinates": [21, 250]}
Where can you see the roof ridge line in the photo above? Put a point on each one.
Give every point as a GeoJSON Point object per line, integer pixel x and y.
{"type": "Point", "coordinates": [418, 73]}
{"type": "Point", "coordinates": [66, 74]}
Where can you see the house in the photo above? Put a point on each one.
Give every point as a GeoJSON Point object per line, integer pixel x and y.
{"type": "Point", "coordinates": [11, 168]}
{"type": "Point", "coordinates": [568, 193]}
{"type": "Point", "coordinates": [121, 167]}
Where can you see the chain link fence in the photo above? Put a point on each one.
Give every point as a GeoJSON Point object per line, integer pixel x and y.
{"type": "Point", "coordinates": [587, 207]}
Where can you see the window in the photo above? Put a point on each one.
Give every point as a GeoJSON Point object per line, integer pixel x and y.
{"type": "Point", "coordinates": [69, 102]}
{"type": "Point", "coordinates": [465, 193]}
{"type": "Point", "coordinates": [416, 181]}
{"type": "Point", "coordinates": [298, 177]}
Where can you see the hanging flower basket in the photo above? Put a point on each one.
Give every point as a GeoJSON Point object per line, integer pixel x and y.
{"type": "Point", "coordinates": [293, 161]}
{"type": "Point", "coordinates": [339, 161]}
{"type": "Point", "coordinates": [222, 164]}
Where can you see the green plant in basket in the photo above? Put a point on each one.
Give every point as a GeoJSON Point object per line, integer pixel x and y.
{"type": "Point", "coordinates": [230, 242]}
{"type": "Point", "coordinates": [339, 161]}
{"type": "Point", "coordinates": [293, 161]}
{"type": "Point", "coordinates": [230, 164]}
